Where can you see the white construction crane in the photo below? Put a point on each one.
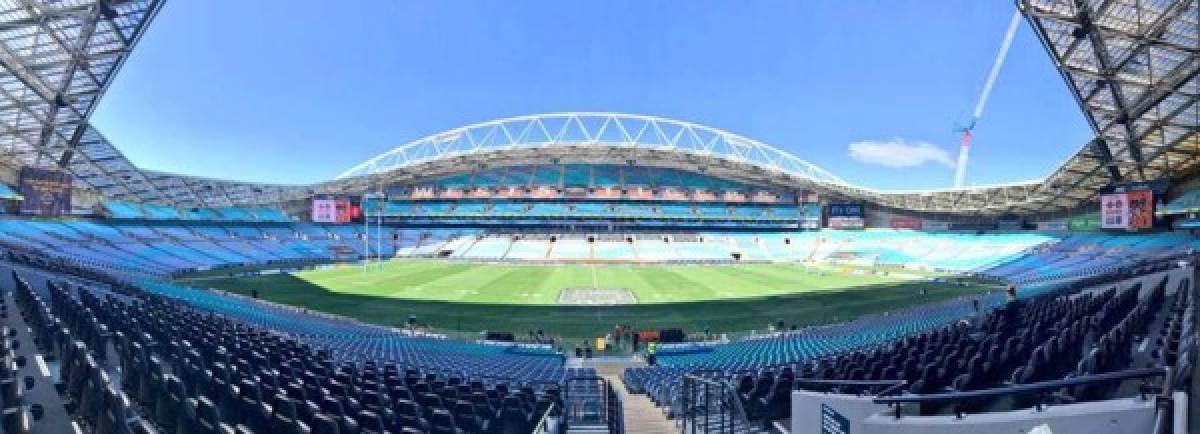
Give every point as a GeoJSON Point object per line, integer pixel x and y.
{"type": "Point", "coordinates": [960, 171]}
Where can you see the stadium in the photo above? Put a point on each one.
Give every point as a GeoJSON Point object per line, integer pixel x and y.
{"type": "Point", "coordinates": [601, 272]}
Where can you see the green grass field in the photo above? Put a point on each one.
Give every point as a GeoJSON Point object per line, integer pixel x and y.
{"type": "Point", "coordinates": [473, 297]}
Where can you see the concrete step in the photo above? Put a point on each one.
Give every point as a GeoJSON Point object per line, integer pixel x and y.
{"type": "Point", "coordinates": [641, 416]}
{"type": "Point", "coordinates": [589, 429]}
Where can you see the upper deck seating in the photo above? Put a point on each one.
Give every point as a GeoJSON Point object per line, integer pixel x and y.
{"type": "Point", "coordinates": [571, 248]}
{"type": "Point", "coordinates": [160, 212]}
{"type": "Point", "coordinates": [123, 210]}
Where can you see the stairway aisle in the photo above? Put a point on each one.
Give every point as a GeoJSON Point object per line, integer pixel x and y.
{"type": "Point", "coordinates": [55, 420]}
{"type": "Point", "coordinates": [641, 416]}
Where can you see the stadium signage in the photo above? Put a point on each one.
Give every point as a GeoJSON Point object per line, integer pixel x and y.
{"type": "Point", "coordinates": [845, 210]}
{"type": "Point", "coordinates": [934, 225]}
{"type": "Point", "coordinates": [1084, 223]}
{"type": "Point", "coordinates": [833, 422]}
{"type": "Point", "coordinates": [1009, 223]}
{"type": "Point", "coordinates": [846, 223]}
{"type": "Point", "coordinates": [336, 209]}
{"type": "Point", "coordinates": [905, 223]}
{"type": "Point", "coordinates": [1052, 225]}
{"type": "Point", "coordinates": [46, 192]}
{"type": "Point", "coordinates": [1131, 210]}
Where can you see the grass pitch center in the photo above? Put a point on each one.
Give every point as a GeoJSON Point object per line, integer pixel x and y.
{"type": "Point", "coordinates": [596, 297]}
{"type": "Point", "coordinates": [581, 300]}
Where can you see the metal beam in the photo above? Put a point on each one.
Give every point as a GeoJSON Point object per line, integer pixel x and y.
{"type": "Point", "coordinates": [1100, 51]}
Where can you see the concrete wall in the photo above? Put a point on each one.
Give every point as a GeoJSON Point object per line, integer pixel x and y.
{"type": "Point", "coordinates": [808, 416]}
{"type": "Point", "coordinates": [811, 411]}
{"type": "Point", "coordinates": [1117, 416]}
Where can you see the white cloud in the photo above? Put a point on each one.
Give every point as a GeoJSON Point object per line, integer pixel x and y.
{"type": "Point", "coordinates": [898, 152]}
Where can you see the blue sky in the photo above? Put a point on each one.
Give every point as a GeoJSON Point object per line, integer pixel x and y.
{"type": "Point", "coordinates": [298, 91]}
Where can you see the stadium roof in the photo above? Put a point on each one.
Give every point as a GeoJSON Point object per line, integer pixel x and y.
{"type": "Point", "coordinates": [648, 140]}
{"type": "Point", "coordinates": [58, 58]}
{"type": "Point", "coordinates": [1132, 65]}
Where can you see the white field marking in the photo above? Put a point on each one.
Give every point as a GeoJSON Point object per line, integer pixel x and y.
{"type": "Point", "coordinates": [595, 282]}
{"type": "Point", "coordinates": [41, 364]}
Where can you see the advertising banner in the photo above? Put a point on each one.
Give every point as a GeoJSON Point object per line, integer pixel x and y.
{"type": "Point", "coordinates": [734, 196]}
{"type": "Point", "coordinates": [704, 196]}
{"type": "Point", "coordinates": [905, 223]}
{"type": "Point", "coordinates": [1131, 210]}
{"type": "Point", "coordinates": [348, 210]}
{"type": "Point", "coordinates": [46, 192]}
{"type": "Point", "coordinates": [344, 209]}
{"type": "Point", "coordinates": [1084, 223]}
{"type": "Point", "coordinates": [1114, 211]}
{"type": "Point", "coordinates": [1009, 223]}
{"type": "Point", "coordinates": [1140, 205]}
{"type": "Point", "coordinates": [761, 196]}
{"type": "Point", "coordinates": [576, 192]}
{"type": "Point", "coordinates": [510, 192]}
{"type": "Point", "coordinates": [934, 225]}
{"type": "Point", "coordinates": [846, 223]}
{"type": "Point", "coordinates": [422, 193]}
{"type": "Point", "coordinates": [1052, 225]}
{"type": "Point", "coordinates": [846, 210]}
{"type": "Point", "coordinates": [670, 193]}
{"type": "Point", "coordinates": [324, 211]}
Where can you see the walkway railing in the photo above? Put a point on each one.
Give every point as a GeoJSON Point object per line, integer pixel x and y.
{"type": "Point", "coordinates": [591, 402]}
{"type": "Point", "coordinates": [710, 405]}
{"type": "Point", "coordinates": [550, 422]}
{"type": "Point", "coordinates": [1039, 390]}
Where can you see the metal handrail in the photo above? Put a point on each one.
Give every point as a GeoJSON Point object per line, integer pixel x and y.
{"type": "Point", "coordinates": [542, 427]}
{"type": "Point", "coordinates": [739, 410]}
{"type": "Point", "coordinates": [816, 382]}
{"type": "Point", "coordinates": [896, 388]}
{"type": "Point", "coordinates": [616, 411]}
{"type": "Point", "coordinates": [605, 396]}
{"type": "Point", "coordinates": [889, 386]}
{"type": "Point", "coordinates": [728, 403]}
{"type": "Point", "coordinates": [1025, 388]}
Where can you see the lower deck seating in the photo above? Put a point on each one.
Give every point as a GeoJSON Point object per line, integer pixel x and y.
{"type": "Point", "coordinates": [1076, 330]}
{"type": "Point", "coordinates": [170, 248]}
{"type": "Point", "coordinates": [185, 367]}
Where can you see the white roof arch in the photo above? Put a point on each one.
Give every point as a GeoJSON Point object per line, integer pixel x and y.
{"type": "Point", "coordinates": [592, 129]}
